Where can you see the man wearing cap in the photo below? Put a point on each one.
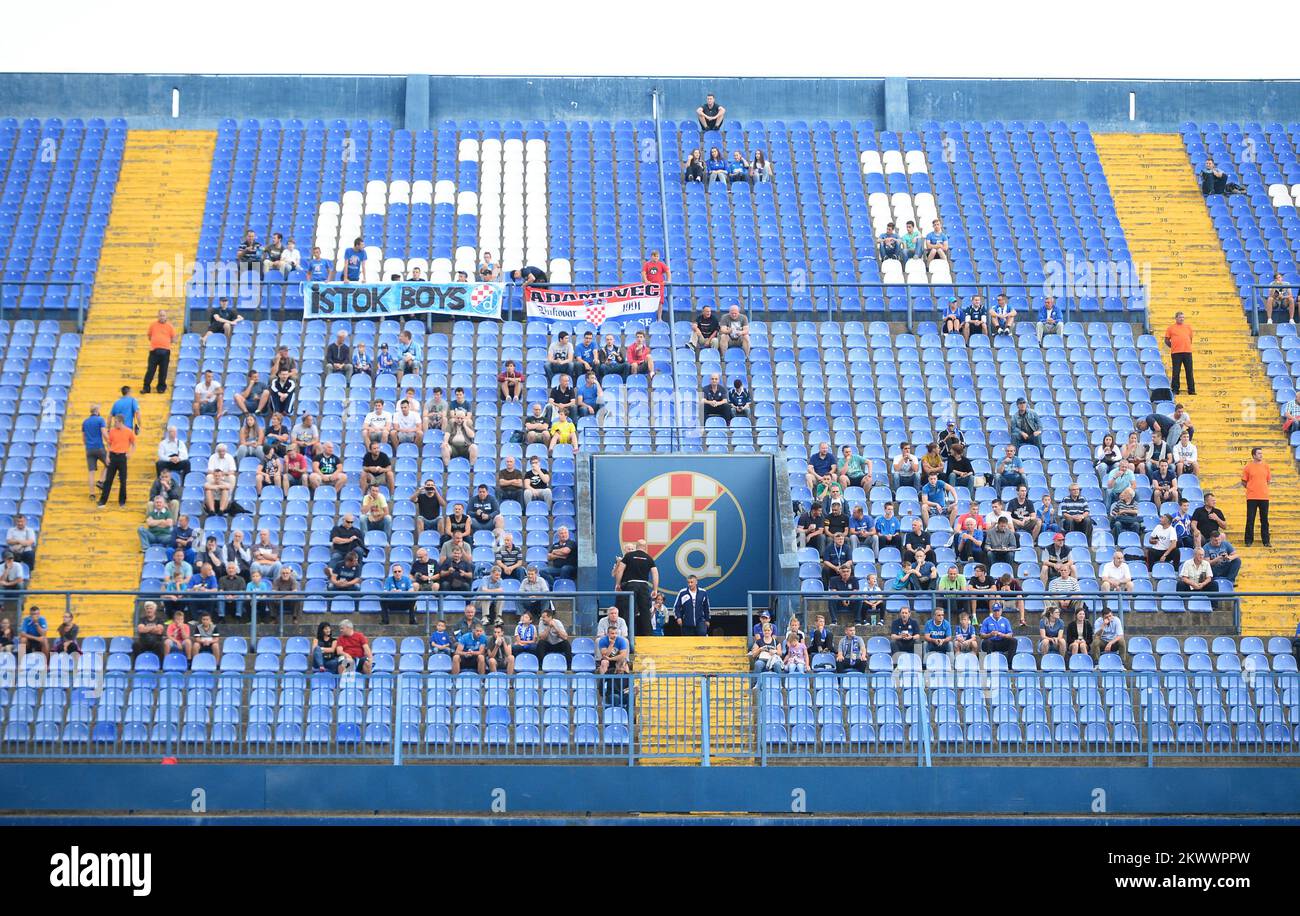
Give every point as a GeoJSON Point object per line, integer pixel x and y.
{"type": "Point", "coordinates": [1057, 560]}
{"type": "Point", "coordinates": [949, 436]}
{"type": "Point", "coordinates": [997, 633]}
{"type": "Point", "coordinates": [1026, 428]}
{"type": "Point", "coordinates": [763, 616]}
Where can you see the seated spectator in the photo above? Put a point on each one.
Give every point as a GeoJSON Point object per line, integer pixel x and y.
{"type": "Point", "coordinates": [441, 640]}
{"type": "Point", "coordinates": [639, 359]}
{"type": "Point", "coordinates": [1051, 632]}
{"type": "Point", "coordinates": [938, 497]}
{"type": "Point", "coordinates": [961, 473]}
{"type": "Point", "coordinates": [1223, 558]}
{"type": "Point", "coordinates": [207, 396]}
{"type": "Point", "coordinates": [766, 652]}
{"type": "Point", "coordinates": [560, 355]}
{"type": "Point", "coordinates": [362, 361]}
{"type": "Point", "coordinates": [693, 169]}
{"type": "Point", "coordinates": [1213, 179]}
{"type": "Point", "coordinates": [918, 541]}
{"type": "Point", "coordinates": [965, 637]}
{"type": "Point", "coordinates": [849, 605]}
{"type": "Point", "coordinates": [498, 652]}
{"type": "Point", "coordinates": [1023, 515]}
{"type": "Point", "coordinates": [355, 645]}
{"type": "Point", "coordinates": [1001, 543]}
{"type": "Point", "coordinates": [562, 430]}
{"type": "Point", "coordinates": [706, 331]}
{"type": "Point", "coordinates": [1124, 515]}
{"type": "Point", "coordinates": [537, 482]}
{"type": "Point", "coordinates": [326, 653]}
{"type": "Point", "coordinates": [738, 169]}
{"type": "Point", "coordinates": [345, 575]}
{"type": "Point", "coordinates": [1133, 461]}
{"type": "Point", "coordinates": [1009, 470]}
{"type": "Point", "coordinates": [21, 542]}
{"type": "Point", "coordinates": [510, 482]}
{"type": "Point", "coordinates": [537, 428]}
{"type": "Point", "coordinates": [1164, 484]}
{"type": "Point", "coordinates": [590, 396]}
{"type": "Point", "coordinates": [150, 632]}
{"type": "Point", "coordinates": [810, 528]}
{"type": "Point", "coordinates": [937, 634]}
{"type": "Point", "coordinates": [377, 468]}
{"type": "Point", "coordinates": [936, 243]}
{"type": "Point", "coordinates": [954, 317]}
{"type": "Point", "coordinates": [716, 166]}
{"type": "Point", "coordinates": [459, 436]}
{"type": "Point", "coordinates": [1182, 520]}
{"type": "Point", "coordinates": [852, 470]}
{"type": "Point", "coordinates": [1196, 574]}
{"type": "Point", "coordinates": [6, 636]}
{"type": "Point", "coordinates": [1004, 317]}
{"type": "Point", "coordinates": [1108, 455]}
{"type": "Point", "coordinates": [1186, 460]}
{"type": "Point", "coordinates": [396, 586]}
{"type": "Point", "coordinates": [562, 557]}
{"type": "Point", "coordinates": [553, 637]}
{"type": "Point", "coordinates": [205, 637]}
{"type": "Point", "coordinates": [851, 653]}
{"type": "Point", "coordinates": [1281, 301]}
{"type": "Point", "coordinates": [454, 523]}
{"type": "Point", "coordinates": [456, 572]}
{"type": "Point", "coordinates": [735, 330]}
{"type": "Point", "coordinates": [219, 485]}
{"type": "Point", "coordinates": [429, 504]}
{"type": "Point", "coordinates": [424, 571]}
{"type": "Point", "coordinates": [1026, 427]}
{"type": "Point", "coordinates": [996, 631]}
{"type": "Point", "coordinates": [185, 538]}
{"type": "Point", "coordinates": [610, 359]}
{"type": "Point", "coordinates": [223, 320]}
{"type": "Point", "coordinates": [265, 557]}
{"type": "Point", "coordinates": [534, 584]}
{"type": "Point", "coordinates": [306, 436]}
{"type": "Point", "coordinates": [834, 555]}
{"type": "Point", "coordinates": [376, 514]}
{"type": "Point", "coordinates": [284, 390]}
{"type": "Point", "coordinates": [760, 169]}
{"type": "Point", "coordinates": [178, 636]}
{"type": "Point", "coordinates": [409, 355]}
{"type": "Point", "coordinates": [739, 398]}
{"type": "Point", "coordinates": [904, 632]}
{"type": "Point", "coordinates": [794, 655]}
{"type": "Point", "coordinates": [1162, 542]}
{"type": "Point", "coordinates": [1115, 576]}
{"type": "Point", "coordinates": [1049, 319]}
{"type": "Point", "coordinates": [297, 468]}
{"type": "Point", "coordinates": [968, 543]}
{"type": "Point", "coordinates": [338, 355]}
{"type": "Point", "coordinates": [327, 468]}
{"type": "Point", "coordinates": [509, 558]}
{"type": "Point", "coordinates": [906, 468]}
{"type": "Point", "coordinates": [271, 472]}
{"type": "Point", "coordinates": [711, 115]}
{"type": "Point", "coordinates": [285, 584]}
{"type": "Point", "coordinates": [1110, 634]}
{"type": "Point", "coordinates": [233, 588]}
{"type": "Point", "coordinates": [277, 435]}
{"type": "Point", "coordinates": [975, 320]}
{"type": "Point", "coordinates": [1078, 635]}
{"type": "Point", "coordinates": [485, 512]}
{"type": "Point", "coordinates": [1074, 513]}
{"type": "Point", "coordinates": [252, 440]}
{"type": "Point", "coordinates": [821, 470]}
{"type": "Point", "coordinates": [13, 579]}
{"type": "Point", "coordinates": [890, 246]}
{"type": "Point", "coordinates": [585, 357]}
{"type": "Point", "coordinates": [254, 590]}
{"type": "Point", "coordinates": [283, 362]}
{"type": "Point", "coordinates": [173, 455]}
{"type": "Point", "coordinates": [510, 382]}
{"type": "Point", "coordinates": [158, 523]}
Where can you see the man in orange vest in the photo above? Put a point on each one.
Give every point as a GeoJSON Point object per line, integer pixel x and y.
{"type": "Point", "coordinates": [1255, 477]}
{"type": "Point", "coordinates": [121, 443]}
{"type": "Point", "coordinates": [161, 335]}
{"type": "Point", "coordinates": [1179, 340]}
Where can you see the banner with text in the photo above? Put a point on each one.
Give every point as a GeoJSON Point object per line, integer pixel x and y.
{"type": "Point", "coordinates": [636, 303]}
{"type": "Point", "coordinates": [367, 300]}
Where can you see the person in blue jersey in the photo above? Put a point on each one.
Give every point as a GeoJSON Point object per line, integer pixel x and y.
{"type": "Point", "coordinates": [965, 636]}
{"type": "Point", "coordinates": [938, 496]}
{"type": "Point", "coordinates": [1004, 316]}
{"type": "Point", "coordinates": [716, 166]}
{"type": "Point", "coordinates": [353, 259]}
{"type": "Point", "coordinates": [954, 317]}
{"type": "Point", "coordinates": [399, 584]}
{"type": "Point", "coordinates": [938, 633]}
{"type": "Point", "coordinates": [526, 636]}
{"type": "Point", "coordinates": [441, 641]}
{"type": "Point", "coordinates": [128, 408]}
{"type": "Point", "coordinates": [976, 319]}
{"type": "Point", "coordinates": [318, 269]}
{"type": "Point", "coordinates": [936, 242]}
{"type": "Point", "coordinates": [471, 649]}
{"type": "Point", "coordinates": [996, 631]}
{"type": "Point", "coordinates": [889, 529]}
{"type": "Point", "coordinates": [92, 436]}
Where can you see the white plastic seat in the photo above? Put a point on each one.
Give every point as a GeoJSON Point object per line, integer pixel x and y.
{"type": "Point", "coordinates": [871, 163]}
{"type": "Point", "coordinates": [467, 151]}
{"type": "Point", "coordinates": [466, 204]}
{"type": "Point", "coordinates": [444, 192]}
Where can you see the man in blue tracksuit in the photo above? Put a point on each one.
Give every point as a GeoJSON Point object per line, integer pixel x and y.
{"type": "Point", "coordinates": [692, 609]}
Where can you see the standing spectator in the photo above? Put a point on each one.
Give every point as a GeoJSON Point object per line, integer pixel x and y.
{"type": "Point", "coordinates": [655, 271]}
{"type": "Point", "coordinates": [1178, 338]}
{"type": "Point", "coordinates": [128, 408]}
{"type": "Point", "coordinates": [353, 260]}
{"type": "Point", "coordinates": [851, 653]}
{"type": "Point", "coordinates": [997, 633]}
{"type": "Point", "coordinates": [121, 445]}
{"type": "Point", "coordinates": [691, 609]}
{"type": "Point", "coordinates": [162, 334]}
{"type": "Point", "coordinates": [1255, 478]}
{"type": "Point", "coordinates": [338, 355]}
{"type": "Point", "coordinates": [488, 271]}
{"type": "Point", "coordinates": [711, 115]}
{"type": "Point", "coordinates": [94, 438]}
{"type": "Point", "coordinates": [21, 542]}
{"type": "Point", "coordinates": [635, 572]}
{"type": "Point", "coordinates": [355, 645]}
{"type": "Point", "coordinates": [1110, 634]}
{"type": "Point", "coordinates": [707, 330]}
{"type": "Point", "coordinates": [223, 320]}
{"type": "Point", "coordinates": [1026, 428]}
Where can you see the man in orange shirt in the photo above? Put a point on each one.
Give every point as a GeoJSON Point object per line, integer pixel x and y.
{"type": "Point", "coordinates": [1256, 477]}
{"type": "Point", "coordinates": [1179, 340]}
{"type": "Point", "coordinates": [161, 336]}
{"type": "Point", "coordinates": [121, 443]}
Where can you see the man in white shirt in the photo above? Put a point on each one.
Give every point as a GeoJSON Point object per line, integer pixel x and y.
{"type": "Point", "coordinates": [407, 425]}
{"type": "Point", "coordinates": [173, 455]}
{"type": "Point", "coordinates": [378, 424]}
{"type": "Point", "coordinates": [207, 396]}
{"type": "Point", "coordinates": [1196, 575]}
{"type": "Point", "coordinates": [996, 511]}
{"type": "Point", "coordinates": [611, 619]}
{"type": "Point", "coordinates": [1115, 575]}
{"type": "Point", "coordinates": [291, 257]}
{"type": "Point", "coordinates": [220, 482]}
{"type": "Point", "coordinates": [1162, 542]}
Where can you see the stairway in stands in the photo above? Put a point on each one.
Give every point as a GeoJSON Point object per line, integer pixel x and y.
{"type": "Point", "coordinates": [155, 220]}
{"type": "Point", "coordinates": [1168, 229]}
{"type": "Point", "coordinates": [668, 713]}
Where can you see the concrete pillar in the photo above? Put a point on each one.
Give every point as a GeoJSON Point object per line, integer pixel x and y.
{"type": "Point", "coordinates": [898, 114]}
{"type": "Point", "coordinates": [416, 111]}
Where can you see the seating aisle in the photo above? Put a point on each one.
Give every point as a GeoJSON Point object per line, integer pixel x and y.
{"type": "Point", "coordinates": [155, 219]}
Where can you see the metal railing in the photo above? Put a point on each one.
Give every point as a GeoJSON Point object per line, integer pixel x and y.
{"type": "Point", "coordinates": [911, 712]}
{"type": "Point", "coordinates": [74, 310]}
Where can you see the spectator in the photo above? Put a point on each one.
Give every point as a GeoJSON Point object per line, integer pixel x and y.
{"type": "Point", "coordinates": [94, 438]}
{"type": "Point", "coordinates": [766, 652]}
{"type": "Point", "coordinates": [273, 252]}
{"type": "Point", "coordinates": [810, 528]}
{"type": "Point", "coordinates": [21, 542]}
{"type": "Point", "coordinates": [655, 271]}
{"type": "Point", "coordinates": [976, 318]}
{"type": "Point", "coordinates": [377, 514]}
{"type": "Point", "coordinates": [560, 355]}
{"type": "Point", "coordinates": [693, 169]}
{"type": "Point", "coordinates": [1223, 558]}
{"type": "Point", "coordinates": [485, 512]}
{"type": "Point", "coordinates": [327, 469]}
{"type": "Point", "coordinates": [1001, 543]}
{"type": "Point", "coordinates": [353, 260]}
{"type": "Point", "coordinates": [223, 320]}
{"type": "Point", "coordinates": [306, 436]}
{"type": "Point", "coordinates": [158, 523]}
{"type": "Point", "coordinates": [409, 355]}
{"type": "Point", "coordinates": [611, 619]}
{"type": "Point", "coordinates": [1178, 338]}
{"type": "Point", "coordinates": [738, 169]}
{"type": "Point", "coordinates": [178, 636]}
{"type": "Point", "coordinates": [1078, 635]}
{"type": "Point", "coordinates": [938, 497]}
{"type": "Point", "coordinates": [851, 653]}
{"type": "Point", "coordinates": [1162, 542]}
{"type": "Point", "coordinates": [1281, 301]}
{"type": "Point", "coordinates": [917, 540]}
{"type": "Point", "coordinates": [611, 359]}
{"type": "Point", "coordinates": [1004, 317]}
{"type": "Point", "coordinates": [398, 584]}
{"type": "Point", "coordinates": [954, 317]}
{"type": "Point", "coordinates": [277, 435]}
{"type": "Point", "coordinates": [233, 588]}
{"type": "Point", "coordinates": [1206, 520]}
{"type": "Point", "coordinates": [121, 445]}
{"type": "Point", "coordinates": [252, 440]}
{"type": "Point", "coordinates": [283, 390]}
{"type": "Point", "coordinates": [208, 396]}
{"type": "Point", "coordinates": [1051, 632]}
{"type": "Point", "coordinates": [1049, 319]}
{"type": "Point", "coordinates": [457, 522]}
{"type": "Point", "coordinates": [264, 555]}
{"type": "Point", "coordinates": [500, 656]}
{"type": "Point", "coordinates": [162, 334]}
{"type": "Point", "coordinates": [890, 246]}
{"type": "Point", "coordinates": [35, 632]}
{"type": "Point", "coordinates": [271, 472]}
{"type": "Point", "coordinates": [1026, 428]}
{"type": "Point", "coordinates": [821, 470]}
{"type": "Point", "coordinates": [219, 485]}
{"type": "Point", "coordinates": [707, 330]}
{"type": "Point", "coordinates": [937, 634]}
{"type": "Point", "coordinates": [6, 636]}
{"type": "Point", "coordinates": [968, 543]}
{"type": "Point", "coordinates": [338, 355]}
{"type": "Point", "coordinates": [1135, 453]}
{"type": "Point", "coordinates": [845, 582]}
{"type": "Point", "coordinates": [1170, 429]}
{"type": "Point", "coordinates": [949, 438]}
{"type": "Point", "coordinates": [345, 575]}
{"type": "Point", "coordinates": [562, 430]}
{"type": "Point", "coordinates": [1186, 458]}
{"type": "Point", "coordinates": [639, 358]}
{"type": "Point", "coordinates": [534, 584]}
{"type": "Point", "coordinates": [362, 361]}
{"type": "Point", "coordinates": [458, 441]}
{"type": "Point", "coordinates": [561, 396]}
{"type": "Point", "coordinates": [637, 573]}
{"type": "Point", "coordinates": [965, 637]}
{"type": "Point", "coordinates": [716, 167]}
{"type": "Point", "coordinates": [205, 637]}
{"type": "Point", "coordinates": [711, 115]}
{"type": "Point", "coordinates": [1108, 455]}
{"type": "Point", "coordinates": [1213, 179]}
{"type": "Point", "coordinates": [377, 427]}
{"type": "Point", "coordinates": [149, 632]}
{"type": "Point", "coordinates": [1255, 478]}
{"type": "Point", "coordinates": [1164, 484]}
{"type": "Point", "coordinates": [961, 472]}
{"type": "Point", "coordinates": [936, 243]}
{"type": "Point", "coordinates": [996, 632]}
{"type": "Point", "coordinates": [377, 468]}
{"type": "Point", "coordinates": [1196, 574]}
{"type": "Point", "coordinates": [1110, 634]}
{"type": "Point", "coordinates": [735, 330]}
{"type": "Point", "coordinates": [456, 572]}
{"type": "Point", "coordinates": [1115, 575]}
{"type": "Point", "coordinates": [1124, 515]}
{"type": "Point", "coordinates": [355, 645]}
{"type": "Point", "coordinates": [1010, 470]}
{"type": "Point", "coordinates": [530, 276]}
{"type": "Point", "coordinates": [554, 638]}
{"type": "Point", "coordinates": [510, 383]}
{"type": "Point", "coordinates": [1074, 513]}
{"type": "Point", "coordinates": [794, 655]}
{"type": "Point", "coordinates": [904, 632]}
{"type": "Point", "coordinates": [287, 583]}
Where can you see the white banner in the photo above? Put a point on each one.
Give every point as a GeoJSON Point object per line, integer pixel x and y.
{"type": "Point", "coordinates": [637, 303]}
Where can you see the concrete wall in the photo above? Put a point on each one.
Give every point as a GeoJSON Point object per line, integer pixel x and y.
{"type": "Point", "coordinates": [145, 100]}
